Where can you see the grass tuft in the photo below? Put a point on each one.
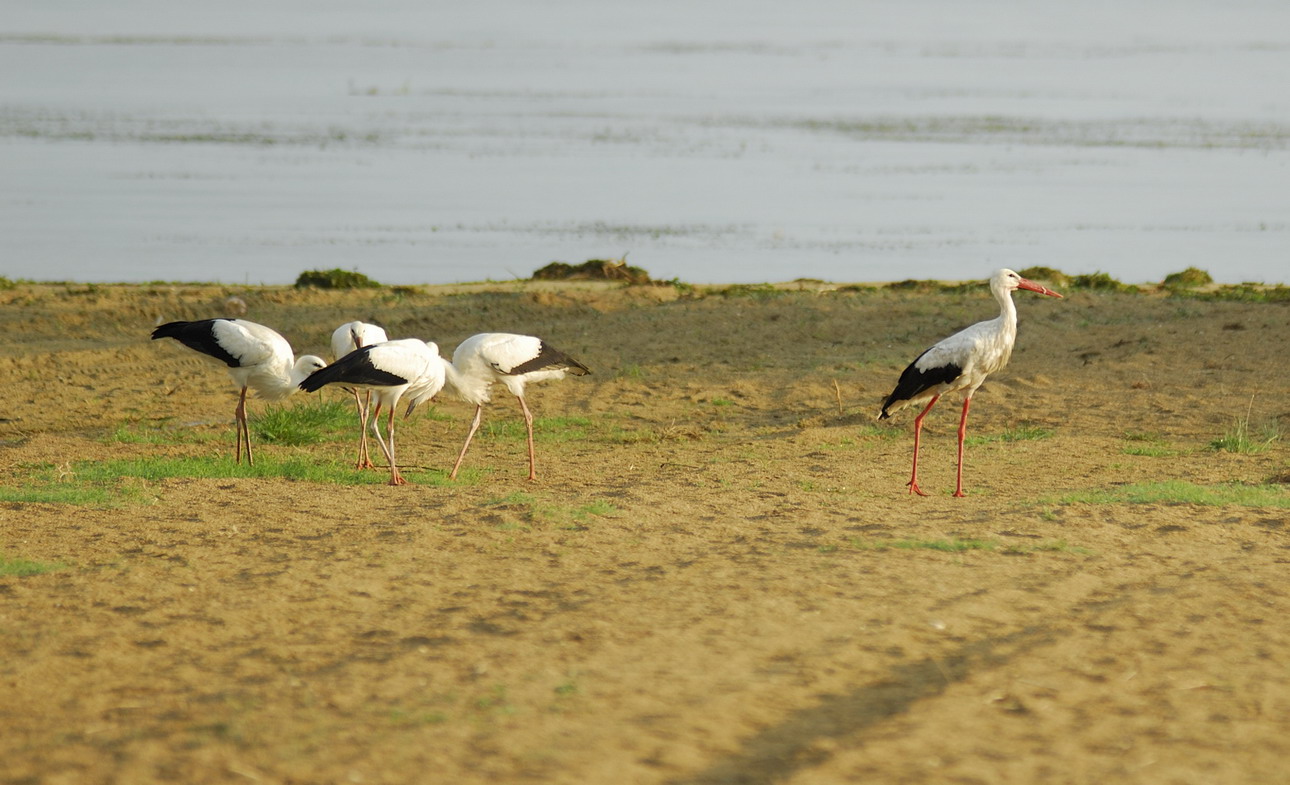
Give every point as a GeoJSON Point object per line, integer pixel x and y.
{"type": "Point", "coordinates": [22, 568]}
{"type": "Point", "coordinates": [1241, 438]}
{"type": "Point", "coordinates": [305, 423]}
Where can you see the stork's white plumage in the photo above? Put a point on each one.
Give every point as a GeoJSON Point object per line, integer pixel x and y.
{"type": "Point", "coordinates": [409, 368]}
{"type": "Point", "coordinates": [513, 360]}
{"type": "Point", "coordinates": [257, 358]}
{"type": "Point", "coordinates": [346, 338]}
{"type": "Point", "coordinates": [961, 362]}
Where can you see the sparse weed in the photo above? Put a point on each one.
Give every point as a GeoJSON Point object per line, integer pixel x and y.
{"type": "Point", "coordinates": [1018, 434]}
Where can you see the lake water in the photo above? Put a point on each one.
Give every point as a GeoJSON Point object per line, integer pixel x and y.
{"type": "Point", "coordinates": [430, 142]}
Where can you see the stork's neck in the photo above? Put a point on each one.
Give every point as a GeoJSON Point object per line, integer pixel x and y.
{"type": "Point", "coordinates": [1007, 311]}
{"type": "Point", "coordinates": [467, 387]}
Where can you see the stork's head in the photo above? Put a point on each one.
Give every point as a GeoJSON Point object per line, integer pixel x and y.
{"type": "Point", "coordinates": [1007, 281]}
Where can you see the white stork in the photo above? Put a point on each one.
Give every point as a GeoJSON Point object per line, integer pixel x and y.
{"type": "Point", "coordinates": [391, 370]}
{"type": "Point", "coordinates": [257, 358]}
{"type": "Point", "coordinates": [348, 337]}
{"type": "Point", "coordinates": [513, 360]}
{"type": "Point", "coordinates": [960, 363]}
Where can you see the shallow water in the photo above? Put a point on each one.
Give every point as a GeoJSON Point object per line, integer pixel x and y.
{"type": "Point", "coordinates": [427, 143]}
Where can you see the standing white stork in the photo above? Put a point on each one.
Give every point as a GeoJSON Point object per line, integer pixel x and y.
{"type": "Point", "coordinates": [513, 360]}
{"type": "Point", "coordinates": [960, 363]}
{"type": "Point", "coordinates": [391, 370]}
{"type": "Point", "coordinates": [348, 337]}
{"type": "Point", "coordinates": [257, 357]}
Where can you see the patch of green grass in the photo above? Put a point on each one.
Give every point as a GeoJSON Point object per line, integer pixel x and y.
{"type": "Point", "coordinates": [22, 568]}
{"type": "Point", "coordinates": [59, 494]}
{"type": "Point", "coordinates": [305, 423]}
{"type": "Point", "coordinates": [118, 482]}
{"type": "Point", "coordinates": [879, 432]}
{"type": "Point", "coordinates": [1180, 492]}
{"type": "Point", "coordinates": [1018, 434]}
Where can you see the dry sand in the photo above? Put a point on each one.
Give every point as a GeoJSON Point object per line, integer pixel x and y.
{"type": "Point", "coordinates": [696, 588]}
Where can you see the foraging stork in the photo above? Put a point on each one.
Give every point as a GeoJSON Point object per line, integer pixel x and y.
{"type": "Point", "coordinates": [513, 360]}
{"type": "Point", "coordinates": [348, 337]}
{"type": "Point", "coordinates": [960, 363]}
{"type": "Point", "coordinates": [257, 358]}
{"type": "Point", "coordinates": [390, 370]}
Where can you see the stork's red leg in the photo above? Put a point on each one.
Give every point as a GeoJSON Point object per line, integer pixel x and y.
{"type": "Point", "coordinates": [243, 432]}
{"type": "Point", "coordinates": [918, 431]}
{"type": "Point", "coordinates": [395, 477]}
{"type": "Point", "coordinates": [958, 490]}
{"type": "Point", "coordinates": [380, 440]}
{"type": "Point", "coordinates": [364, 458]}
{"type": "Point", "coordinates": [474, 426]}
{"type": "Point", "coordinates": [528, 424]}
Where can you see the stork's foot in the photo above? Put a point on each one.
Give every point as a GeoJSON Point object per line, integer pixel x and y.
{"type": "Point", "coordinates": [365, 464]}
{"type": "Point", "coordinates": [959, 493]}
{"type": "Point", "coordinates": [397, 479]}
{"type": "Point", "coordinates": [913, 488]}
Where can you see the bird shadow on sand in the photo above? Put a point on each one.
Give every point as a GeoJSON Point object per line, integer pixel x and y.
{"type": "Point", "coordinates": [778, 752]}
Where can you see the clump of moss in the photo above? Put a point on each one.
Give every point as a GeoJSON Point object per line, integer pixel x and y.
{"type": "Point", "coordinates": [1190, 278]}
{"type": "Point", "coordinates": [335, 279]}
{"type": "Point", "coordinates": [593, 270]}
{"type": "Point", "coordinates": [1047, 274]}
{"type": "Point", "coordinates": [1102, 282]}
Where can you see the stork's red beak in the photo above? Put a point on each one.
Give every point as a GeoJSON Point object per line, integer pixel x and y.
{"type": "Point", "coordinates": [1034, 287]}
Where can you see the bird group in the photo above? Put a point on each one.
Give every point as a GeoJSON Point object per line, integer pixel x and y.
{"type": "Point", "coordinates": [377, 371]}
{"type": "Point", "coordinates": [389, 371]}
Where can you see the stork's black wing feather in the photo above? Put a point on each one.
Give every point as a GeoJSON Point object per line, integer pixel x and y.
{"type": "Point", "coordinates": [914, 381]}
{"type": "Point", "coordinates": [198, 336]}
{"type": "Point", "coordinates": [354, 368]}
{"type": "Point", "coordinates": [550, 358]}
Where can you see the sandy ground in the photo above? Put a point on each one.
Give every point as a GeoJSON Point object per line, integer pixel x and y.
{"type": "Point", "coordinates": [701, 587]}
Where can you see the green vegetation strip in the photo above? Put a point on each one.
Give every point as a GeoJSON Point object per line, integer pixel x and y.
{"type": "Point", "coordinates": [1180, 492]}
{"type": "Point", "coordinates": [12, 565]}
{"type": "Point", "coordinates": [111, 483]}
